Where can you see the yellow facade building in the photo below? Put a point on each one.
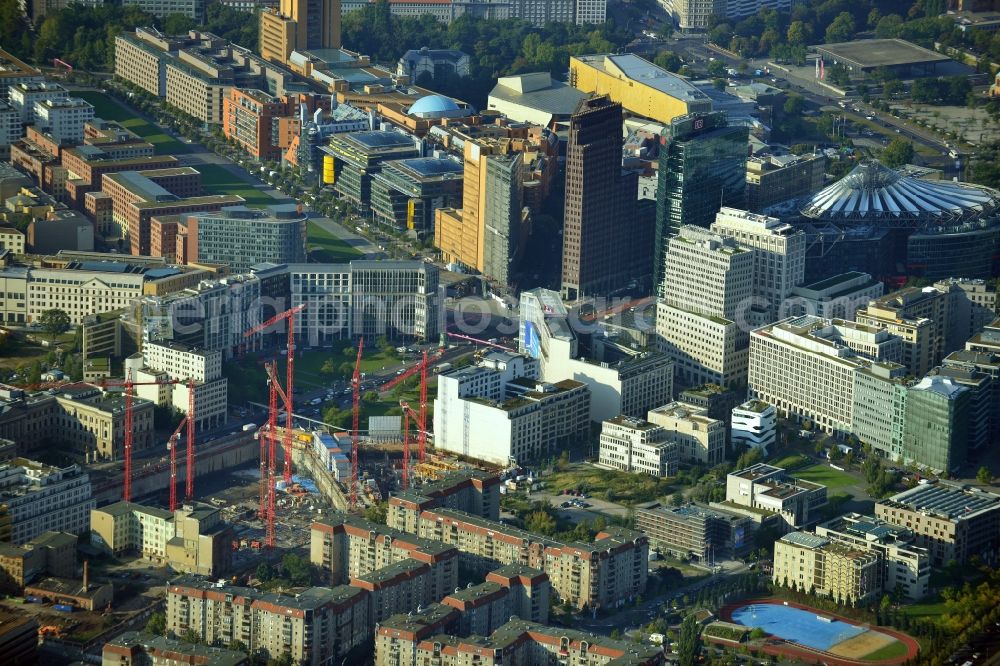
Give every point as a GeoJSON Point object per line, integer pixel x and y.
{"type": "Point", "coordinates": [641, 87]}
{"type": "Point", "coordinates": [299, 25]}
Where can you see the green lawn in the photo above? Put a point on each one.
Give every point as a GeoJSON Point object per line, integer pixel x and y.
{"type": "Point", "coordinates": [219, 180]}
{"type": "Point", "coordinates": [789, 462]}
{"type": "Point", "coordinates": [329, 249]}
{"type": "Point", "coordinates": [107, 108]}
{"type": "Point", "coordinates": [893, 650]}
{"type": "Point", "coordinates": [929, 609]}
{"type": "Point", "coordinates": [826, 475]}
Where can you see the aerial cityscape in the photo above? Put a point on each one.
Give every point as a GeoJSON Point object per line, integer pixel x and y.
{"type": "Point", "coordinates": [506, 333]}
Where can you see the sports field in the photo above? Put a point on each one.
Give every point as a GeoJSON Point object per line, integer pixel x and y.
{"type": "Point", "coordinates": [107, 108]}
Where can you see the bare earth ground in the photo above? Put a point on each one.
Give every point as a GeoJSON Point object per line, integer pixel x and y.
{"type": "Point", "coordinates": [861, 645]}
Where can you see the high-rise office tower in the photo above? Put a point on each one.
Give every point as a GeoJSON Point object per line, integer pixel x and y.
{"type": "Point", "coordinates": [299, 25]}
{"type": "Point", "coordinates": [702, 169]}
{"type": "Point", "coordinates": [603, 241]}
{"type": "Point", "coordinates": [702, 321]}
{"type": "Point", "coordinates": [504, 219]}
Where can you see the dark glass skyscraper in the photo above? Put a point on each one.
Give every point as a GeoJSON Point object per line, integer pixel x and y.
{"type": "Point", "coordinates": [601, 235]}
{"type": "Point", "coordinates": [702, 168]}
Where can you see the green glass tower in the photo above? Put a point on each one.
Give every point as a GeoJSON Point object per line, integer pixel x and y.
{"type": "Point", "coordinates": [702, 168]}
{"type": "Point", "coordinates": [937, 417]}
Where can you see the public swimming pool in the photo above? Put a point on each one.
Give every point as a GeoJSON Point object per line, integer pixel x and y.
{"type": "Point", "coordinates": [794, 624]}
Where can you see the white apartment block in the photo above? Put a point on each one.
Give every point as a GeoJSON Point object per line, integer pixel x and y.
{"type": "Point", "coordinates": [699, 437]}
{"type": "Point", "coordinates": [64, 119]}
{"type": "Point", "coordinates": [38, 498]}
{"type": "Point", "coordinates": [805, 367]}
{"type": "Point", "coordinates": [779, 260]}
{"type": "Point", "coordinates": [754, 425]}
{"type": "Point", "coordinates": [24, 95]}
{"type": "Point", "coordinates": [621, 382]}
{"type": "Point", "coordinates": [767, 488]}
{"type": "Point", "coordinates": [10, 128]}
{"type": "Point", "coordinates": [638, 446]}
{"type": "Point", "coordinates": [193, 9]}
{"type": "Point", "coordinates": [590, 12]}
{"type": "Point", "coordinates": [533, 419]}
{"type": "Point", "coordinates": [183, 363]}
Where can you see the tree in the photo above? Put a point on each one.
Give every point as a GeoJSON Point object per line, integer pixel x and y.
{"type": "Point", "coordinates": [157, 624]}
{"type": "Point", "coordinates": [716, 68]}
{"type": "Point", "coordinates": [35, 372]}
{"type": "Point", "coordinates": [688, 643]}
{"type": "Point", "coordinates": [541, 522]}
{"type": "Point", "coordinates": [841, 30]}
{"type": "Point", "coordinates": [329, 367]}
{"type": "Point", "coordinates": [297, 569]}
{"type": "Point", "coordinates": [984, 475]}
{"type": "Point", "coordinates": [285, 659]}
{"type": "Point", "coordinates": [377, 513]}
{"type": "Point", "coordinates": [897, 153]}
{"type": "Point", "coordinates": [798, 33]}
{"type": "Point", "coordinates": [264, 572]}
{"type": "Point", "coordinates": [54, 322]}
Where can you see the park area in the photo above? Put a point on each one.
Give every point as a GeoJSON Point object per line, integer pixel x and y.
{"type": "Point", "coordinates": [217, 179]}
{"type": "Point", "coordinates": [826, 475]}
{"type": "Point", "coordinates": [107, 108]}
{"type": "Point", "coordinates": [327, 248]}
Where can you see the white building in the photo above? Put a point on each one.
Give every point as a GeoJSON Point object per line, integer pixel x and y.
{"type": "Point", "coordinates": [38, 498]}
{"type": "Point", "coordinates": [64, 119]}
{"type": "Point", "coordinates": [779, 260]}
{"type": "Point", "coordinates": [621, 381]}
{"type": "Point", "coordinates": [183, 363]}
{"type": "Point", "coordinates": [699, 437]}
{"type": "Point", "coordinates": [24, 95]}
{"type": "Point", "coordinates": [768, 488]}
{"type": "Point", "coordinates": [754, 425]}
{"type": "Point", "coordinates": [638, 446]}
{"type": "Point", "coordinates": [524, 419]}
{"type": "Point", "coordinates": [805, 366]}
{"type": "Point", "coordinates": [702, 320]}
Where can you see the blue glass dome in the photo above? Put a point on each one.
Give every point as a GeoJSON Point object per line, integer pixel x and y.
{"type": "Point", "coordinates": [436, 106]}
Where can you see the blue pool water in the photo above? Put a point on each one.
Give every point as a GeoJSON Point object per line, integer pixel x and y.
{"type": "Point", "coordinates": [796, 625]}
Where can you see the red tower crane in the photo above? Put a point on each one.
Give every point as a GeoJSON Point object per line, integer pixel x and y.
{"type": "Point", "coordinates": [129, 387]}
{"type": "Point", "coordinates": [355, 417]}
{"type": "Point", "coordinates": [422, 435]}
{"type": "Point", "coordinates": [189, 485]}
{"type": "Point", "coordinates": [406, 443]}
{"type": "Point", "coordinates": [272, 436]}
{"type": "Point", "coordinates": [172, 446]}
{"type": "Point", "coordinates": [420, 367]}
{"type": "Point", "coordinates": [289, 376]}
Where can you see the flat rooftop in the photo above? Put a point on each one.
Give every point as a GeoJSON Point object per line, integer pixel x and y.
{"type": "Point", "coordinates": [945, 500]}
{"type": "Point", "coordinates": [874, 53]}
{"type": "Point", "coordinates": [631, 67]}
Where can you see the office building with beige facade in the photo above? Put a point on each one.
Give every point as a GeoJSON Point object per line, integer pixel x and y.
{"type": "Point", "coordinates": [638, 446]}
{"type": "Point", "coordinates": [826, 568]}
{"type": "Point", "coordinates": [49, 554]}
{"type": "Point", "coordinates": [317, 626]}
{"type": "Point", "coordinates": [952, 522]}
{"type": "Point", "coordinates": [299, 25]}
{"type": "Point", "coordinates": [825, 355]}
{"type": "Point", "coordinates": [904, 566]}
{"type": "Point", "coordinates": [697, 436]}
{"type": "Point", "coordinates": [192, 539]}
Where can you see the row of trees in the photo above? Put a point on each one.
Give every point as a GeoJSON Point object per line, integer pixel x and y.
{"type": "Point", "coordinates": [496, 48]}
{"type": "Point", "coordinates": [84, 35]}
